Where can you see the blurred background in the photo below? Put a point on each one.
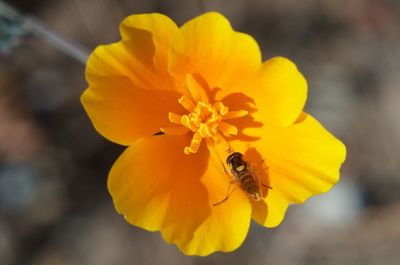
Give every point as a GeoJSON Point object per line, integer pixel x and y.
{"type": "Point", "coordinates": [54, 205]}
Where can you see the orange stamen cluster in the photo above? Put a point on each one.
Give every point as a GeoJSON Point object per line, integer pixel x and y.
{"type": "Point", "coordinates": [206, 121]}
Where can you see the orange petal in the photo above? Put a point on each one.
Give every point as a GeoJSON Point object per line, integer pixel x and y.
{"type": "Point", "coordinates": [241, 109]}
{"type": "Point", "coordinates": [141, 61]}
{"type": "Point", "coordinates": [303, 160]}
{"type": "Point", "coordinates": [161, 27]}
{"type": "Point", "coordinates": [178, 130]}
{"type": "Point", "coordinates": [228, 129]}
{"type": "Point", "coordinates": [150, 36]}
{"type": "Point", "coordinates": [208, 45]}
{"type": "Point", "coordinates": [122, 112]}
{"type": "Point", "coordinates": [196, 88]}
{"type": "Point", "coordinates": [280, 92]}
{"type": "Point", "coordinates": [224, 229]}
{"type": "Point", "coordinates": [123, 78]}
{"type": "Point", "coordinates": [271, 210]}
{"type": "Point", "coordinates": [153, 183]}
{"type": "Point", "coordinates": [157, 187]}
{"type": "Point", "coordinates": [235, 114]}
{"type": "Point", "coordinates": [187, 103]}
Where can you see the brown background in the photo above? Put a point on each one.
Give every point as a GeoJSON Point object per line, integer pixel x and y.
{"type": "Point", "coordinates": [54, 206]}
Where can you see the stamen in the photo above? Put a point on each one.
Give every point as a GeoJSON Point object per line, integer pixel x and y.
{"type": "Point", "coordinates": [187, 103]}
{"type": "Point", "coordinates": [218, 105]}
{"type": "Point", "coordinates": [205, 120]}
{"type": "Point", "coordinates": [220, 141]}
{"type": "Point", "coordinates": [204, 130]}
{"type": "Point", "coordinates": [185, 120]}
{"type": "Point", "coordinates": [195, 120]}
{"type": "Point", "coordinates": [194, 144]}
{"type": "Point", "coordinates": [174, 118]}
{"type": "Point", "coordinates": [235, 114]}
{"type": "Point", "coordinates": [228, 129]}
{"type": "Point", "coordinates": [214, 128]}
{"type": "Point", "coordinates": [221, 108]}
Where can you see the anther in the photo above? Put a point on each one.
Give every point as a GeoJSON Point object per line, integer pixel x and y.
{"type": "Point", "coordinates": [205, 120]}
{"type": "Point", "coordinates": [187, 103]}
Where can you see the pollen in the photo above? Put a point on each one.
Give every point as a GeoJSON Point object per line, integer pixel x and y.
{"type": "Point", "coordinates": [204, 119]}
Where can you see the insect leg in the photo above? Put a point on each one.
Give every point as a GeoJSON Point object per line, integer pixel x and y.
{"type": "Point", "coordinates": [228, 193]}
{"type": "Point", "coordinates": [264, 185]}
{"type": "Point", "coordinates": [269, 187]}
{"type": "Point", "coordinates": [258, 180]}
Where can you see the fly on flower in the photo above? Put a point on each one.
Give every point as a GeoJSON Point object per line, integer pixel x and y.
{"type": "Point", "coordinates": [244, 176]}
{"type": "Point", "coordinates": [203, 87]}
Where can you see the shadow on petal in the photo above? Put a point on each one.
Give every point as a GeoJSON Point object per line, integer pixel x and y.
{"type": "Point", "coordinates": [239, 101]}
{"type": "Point", "coordinates": [259, 211]}
{"type": "Point", "coordinates": [189, 205]}
{"type": "Point", "coordinates": [157, 187]}
{"type": "Point", "coordinates": [260, 170]}
{"type": "Point", "coordinates": [242, 124]}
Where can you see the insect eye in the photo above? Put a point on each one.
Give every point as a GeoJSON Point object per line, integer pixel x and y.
{"type": "Point", "coordinates": [234, 158]}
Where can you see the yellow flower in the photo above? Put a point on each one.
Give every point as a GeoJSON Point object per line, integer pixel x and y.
{"type": "Point", "coordinates": [182, 99]}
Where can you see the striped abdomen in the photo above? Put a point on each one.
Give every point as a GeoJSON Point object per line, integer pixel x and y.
{"type": "Point", "coordinates": [250, 185]}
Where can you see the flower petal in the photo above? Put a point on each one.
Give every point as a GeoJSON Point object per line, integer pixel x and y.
{"type": "Point", "coordinates": [122, 112]}
{"type": "Point", "coordinates": [271, 210]}
{"type": "Point", "coordinates": [151, 176]}
{"type": "Point", "coordinates": [303, 160]}
{"type": "Point", "coordinates": [157, 187]}
{"type": "Point", "coordinates": [142, 54]}
{"type": "Point", "coordinates": [161, 26]}
{"type": "Point", "coordinates": [280, 92]}
{"type": "Point", "coordinates": [130, 90]}
{"type": "Point", "coordinates": [208, 45]}
{"type": "Point", "coordinates": [152, 34]}
{"type": "Point", "coordinates": [224, 229]}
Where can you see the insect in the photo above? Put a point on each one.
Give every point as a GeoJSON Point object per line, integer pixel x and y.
{"type": "Point", "coordinates": [243, 176]}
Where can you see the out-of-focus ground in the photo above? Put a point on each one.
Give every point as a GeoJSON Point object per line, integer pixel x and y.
{"type": "Point", "coordinates": [54, 205]}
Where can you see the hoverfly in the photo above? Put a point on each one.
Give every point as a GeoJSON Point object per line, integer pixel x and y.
{"type": "Point", "coordinates": [243, 176]}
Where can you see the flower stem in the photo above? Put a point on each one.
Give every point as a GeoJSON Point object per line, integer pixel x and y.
{"type": "Point", "coordinates": [39, 29]}
{"type": "Point", "coordinates": [66, 46]}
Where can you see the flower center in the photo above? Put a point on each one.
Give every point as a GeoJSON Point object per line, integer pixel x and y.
{"type": "Point", "coordinates": [206, 120]}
